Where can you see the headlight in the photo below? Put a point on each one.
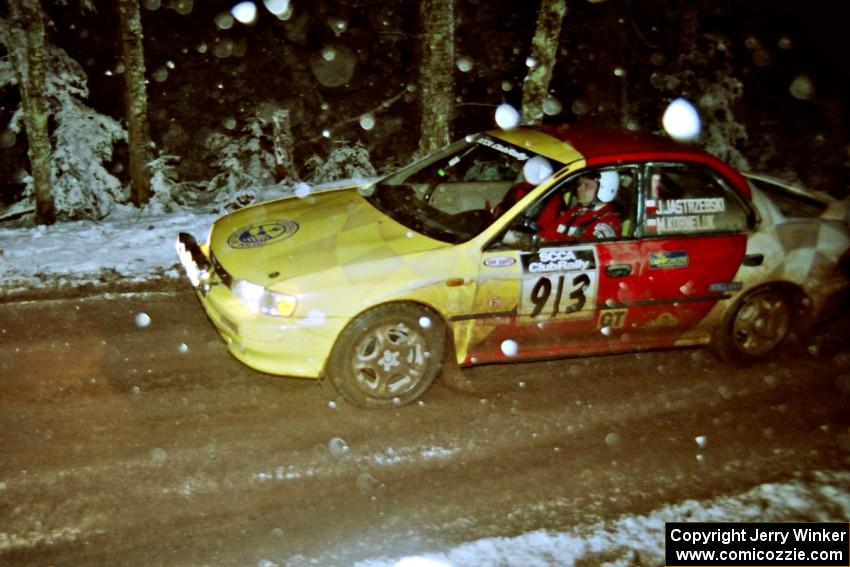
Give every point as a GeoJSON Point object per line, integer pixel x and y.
{"type": "Point", "coordinates": [259, 299]}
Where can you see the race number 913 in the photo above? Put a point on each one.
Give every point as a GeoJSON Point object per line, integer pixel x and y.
{"type": "Point", "coordinates": [542, 292]}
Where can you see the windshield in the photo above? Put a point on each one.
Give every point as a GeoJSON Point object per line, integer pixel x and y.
{"type": "Point", "coordinates": [456, 193]}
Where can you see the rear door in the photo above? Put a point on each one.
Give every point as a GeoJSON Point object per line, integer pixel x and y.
{"type": "Point", "coordinates": [693, 230]}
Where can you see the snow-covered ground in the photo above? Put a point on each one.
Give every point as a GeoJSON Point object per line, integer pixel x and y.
{"type": "Point", "coordinates": [132, 248]}
{"type": "Point", "coordinates": [639, 540]}
{"type": "Point", "coordinates": [129, 246]}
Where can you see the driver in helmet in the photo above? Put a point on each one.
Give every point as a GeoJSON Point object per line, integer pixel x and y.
{"type": "Point", "coordinates": [591, 216]}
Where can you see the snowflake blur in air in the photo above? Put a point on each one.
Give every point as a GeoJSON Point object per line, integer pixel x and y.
{"type": "Point", "coordinates": [245, 12]}
{"type": "Point", "coordinates": [681, 120]}
{"type": "Point", "coordinates": [280, 8]}
{"type": "Point", "coordinates": [465, 64]}
{"type": "Point", "coordinates": [552, 106]}
{"type": "Point", "coordinates": [367, 121]}
{"type": "Point", "coordinates": [183, 7]}
{"type": "Point", "coordinates": [338, 447]}
{"type": "Point", "coordinates": [510, 347]}
{"type": "Point", "coordinates": [536, 170]}
{"type": "Point", "coordinates": [8, 139]}
{"type": "Point", "coordinates": [507, 116]}
{"type": "Point", "coordinates": [143, 320]}
{"type": "Point", "coordinates": [579, 107]}
{"type": "Point", "coordinates": [802, 88]}
{"type": "Point", "coordinates": [224, 21]}
{"type": "Point", "coordinates": [337, 25]}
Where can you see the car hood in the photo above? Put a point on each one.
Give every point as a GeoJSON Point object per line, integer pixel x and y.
{"type": "Point", "coordinates": [279, 240]}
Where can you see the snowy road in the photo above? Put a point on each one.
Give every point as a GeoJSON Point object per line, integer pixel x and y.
{"type": "Point", "coordinates": [149, 445]}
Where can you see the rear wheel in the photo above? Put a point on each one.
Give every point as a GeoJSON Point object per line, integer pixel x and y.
{"type": "Point", "coordinates": [758, 325]}
{"type": "Point", "coordinates": [388, 356]}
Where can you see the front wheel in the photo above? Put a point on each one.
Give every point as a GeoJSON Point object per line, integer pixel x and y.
{"type": "Point", "coordinates": [757, 326]}
{"type": "Point", "coordinates": [387, 356]}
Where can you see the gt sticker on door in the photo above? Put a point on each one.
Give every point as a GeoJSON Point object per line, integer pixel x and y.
{"type": "Point", "coordinates": [558, 283]}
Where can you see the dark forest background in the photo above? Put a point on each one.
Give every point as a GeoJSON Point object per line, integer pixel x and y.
{"type": "Point", "coordinates": [776, 71]}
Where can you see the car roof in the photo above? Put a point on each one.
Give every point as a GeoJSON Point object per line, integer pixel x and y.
{"type": "Point", "coordinates": [604, 146]}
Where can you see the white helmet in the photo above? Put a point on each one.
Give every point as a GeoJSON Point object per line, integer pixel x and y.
{"type": "Point", "coordinates": [609, 182]}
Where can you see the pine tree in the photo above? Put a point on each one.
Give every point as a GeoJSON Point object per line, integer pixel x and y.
{"type": "Point", "coordinates": [544, 48]}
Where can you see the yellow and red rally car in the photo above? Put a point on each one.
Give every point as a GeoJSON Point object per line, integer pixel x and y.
{"type": "Point", "coordinates": [521, 244]}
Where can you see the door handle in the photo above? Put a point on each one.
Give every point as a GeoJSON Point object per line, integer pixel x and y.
{"type": "Point", "coordinates": [753, 260]}
{"type": "Point", "coordinates": [618, 270]}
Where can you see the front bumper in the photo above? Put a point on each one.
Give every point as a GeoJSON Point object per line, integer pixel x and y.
{"type": "Point", "coordinates": [289, 346]}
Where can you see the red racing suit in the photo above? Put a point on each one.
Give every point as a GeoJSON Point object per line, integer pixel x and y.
{"type": "Point", "coordinates": [599, 221]}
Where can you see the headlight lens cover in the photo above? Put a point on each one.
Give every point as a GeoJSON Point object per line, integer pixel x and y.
{"type": "Point", "coordinates": [259, 299]}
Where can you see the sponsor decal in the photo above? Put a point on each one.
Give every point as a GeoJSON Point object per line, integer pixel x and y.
{"type": "Point", "coordinates": [726, 286]}
{"type": "Point", "coordinates": [504, 148]}
{"type": "Point", "coordinates": [662, 260]}
{"type": "Point", "coordinates": [690, 206]}
{"type": "Point", "coordinates": [260, 234]}
{"type": "Point", "coordinates": [683, 215]}
{"type": "Point", "coordinates": [499, 262]}
{"type": "Point", "coordinates": [612, 318]}
{"type": "Point", "coordinates": [685, 224]}
{"type": "Point", "coordinates": [559, 260]}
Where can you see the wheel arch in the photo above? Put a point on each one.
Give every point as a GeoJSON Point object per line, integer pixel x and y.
{"type": "Point", "coordinates": [800, 318]}
{"type": "Point", "coordinates": [450, 340]}
{"type": "Point", "coordinates": [800, 301]}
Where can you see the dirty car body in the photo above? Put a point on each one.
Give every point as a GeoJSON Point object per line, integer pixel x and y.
{"type": "Point", "coordinates": [376, 287]}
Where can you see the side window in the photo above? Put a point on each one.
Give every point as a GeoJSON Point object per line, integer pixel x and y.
{"type": "Point", "coordinates": [590, 206]}
{"type": "Point", "coordinates": [689, 199]}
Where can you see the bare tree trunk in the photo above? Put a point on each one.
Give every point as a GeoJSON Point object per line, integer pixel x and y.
{"type": "Point", "coordinates": [29, 58]}
{"type": "Point", "coordinates": [136, 101]}
{"type": "Point", "coordinates": [437, 80]}
{"type": "Point", "coordinates": [544, 49]}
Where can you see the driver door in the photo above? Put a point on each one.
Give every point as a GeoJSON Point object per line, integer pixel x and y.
{"type": "Point", "coordinates": [555, 298]}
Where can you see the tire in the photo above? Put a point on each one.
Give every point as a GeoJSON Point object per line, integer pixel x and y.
{"type": "Point", "coordinates": [758, 325]}
{"type": "Point", "coordinates": [388, 356]}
